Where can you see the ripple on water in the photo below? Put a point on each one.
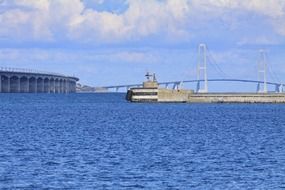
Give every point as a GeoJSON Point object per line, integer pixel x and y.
{"type": "Point", "coordinates": [87, 141]}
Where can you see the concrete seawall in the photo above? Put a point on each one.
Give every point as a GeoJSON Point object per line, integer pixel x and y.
{"type": "Point", "coordinates": [166, 95]}
{"type": "Point", "coordinates": [150, 92]}
{"type": "Point", "coordinates": [26, 81]}
{"type": "Point", "coordinates": [188, 96]}
{"type": "Point", "coordinates": [236, 98]}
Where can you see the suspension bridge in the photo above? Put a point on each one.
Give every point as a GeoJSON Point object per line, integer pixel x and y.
{"type": "Point", "coordinates": [202, 81]}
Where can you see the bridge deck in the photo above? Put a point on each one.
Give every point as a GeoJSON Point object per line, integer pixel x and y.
{"type": "Point", "coordinates": [193, 81]}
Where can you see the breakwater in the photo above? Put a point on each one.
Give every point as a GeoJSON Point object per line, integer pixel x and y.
{"type": "Point", "coordinates": [150, 92]}
{"type": "Point", "coordinates": [188, 96]}
{"type": "Point", "coordinates": [237, 98]}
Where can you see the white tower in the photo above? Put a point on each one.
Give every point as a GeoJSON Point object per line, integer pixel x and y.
{"type": "Point", "coordinates": [202, 68]}
{"type": "Point", "coordinates": [262, 71]}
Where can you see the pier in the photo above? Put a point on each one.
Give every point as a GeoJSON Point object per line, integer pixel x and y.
{"type": "Point", "coordinates": [31, 81]}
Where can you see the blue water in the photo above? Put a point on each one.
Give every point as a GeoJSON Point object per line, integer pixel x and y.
{"type": "Point", "coordinates": [100, 141]}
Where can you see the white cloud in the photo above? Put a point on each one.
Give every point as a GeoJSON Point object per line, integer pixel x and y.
{"type": "Point", "coordinates": [259, 40]}
{"type": "Point", "coordinates": [272, 11]}
{"type": "Point", "coordinates": [271, 8]}
{"type": "Point", "coordinates": [31, 19]}
{"type": "Point", "coordinates": [141, 19]}
{"type": "Point", "coordinates": [168, 20]}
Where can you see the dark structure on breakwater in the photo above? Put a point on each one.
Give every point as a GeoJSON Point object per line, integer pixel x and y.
{"type": "Point", "coordinates": [30, 81]}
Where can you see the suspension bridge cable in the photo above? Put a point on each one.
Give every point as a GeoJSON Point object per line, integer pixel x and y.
{"type": "Point", "coordinates": [274, 76]}
{"type": "Point", "coordinates": [215, 65]}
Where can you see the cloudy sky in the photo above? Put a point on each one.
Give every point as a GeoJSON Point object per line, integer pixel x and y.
{"type": "Point", "coordinates": [116, 41]}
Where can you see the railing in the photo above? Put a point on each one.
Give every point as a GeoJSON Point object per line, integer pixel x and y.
{"type": "Point", "coordinates": [31, 71]}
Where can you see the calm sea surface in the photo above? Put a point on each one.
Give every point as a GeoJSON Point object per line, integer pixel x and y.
{"type": "Point", "coordinates": [100, 141]}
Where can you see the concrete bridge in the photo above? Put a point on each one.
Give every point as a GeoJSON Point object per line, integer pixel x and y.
{"type": "Point", "coordinates": [30, 81]}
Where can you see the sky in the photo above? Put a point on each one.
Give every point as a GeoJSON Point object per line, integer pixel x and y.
{"type": "Point", "coordinates": [109, 42]}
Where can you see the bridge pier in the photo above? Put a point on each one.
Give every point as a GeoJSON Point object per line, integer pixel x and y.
{"type": "Point", "coordinates": [32, 85]}
{"type": "Point", "coordinates": [258, 87]}
{"type": "Point", "coordinates": [14, 84]}
{"type": "Point", "coordinates": [46, 85]}
{"type": "Point", "coordinates": [279, 88]}
{"type": "Point", "coordinates": [9, 85]}
{"type": "Point", "coordinates": [52, 86]}
{"type": "Point", "coordinates": [56, 86]}
{"type": "Point", "coordinates": [174, 86]}
{"type": "Point", "coordinates": [24, 84]}
{"type": "Point", "coordinates": [28, 85]}
{"type": "Point", "coordinates": [61, 86]}
{"type": "Point", "coordinates": [39, 85]}
{"type": "Point", "coordinates": [19, 85]}
{"type": "Point", "coordinates": [166, 85]}
{"type": "Point", "coordinates": [0, 83]}
{"type": "Point", "coordinates": [198, 86]}
{"type": "Point", "coordinates": [36, 85]}
{"type": "Point", "coordinates": [49, 86]}
{"type": "Point", "coordinates": [64, 86]}
{"type": "Point", "coordinates": [180, 85]}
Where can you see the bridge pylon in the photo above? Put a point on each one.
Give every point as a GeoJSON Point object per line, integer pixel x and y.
{"type": "Point", "coordinates": [202, 75]}
{"type": "Point", "coordinates": [262, 72]}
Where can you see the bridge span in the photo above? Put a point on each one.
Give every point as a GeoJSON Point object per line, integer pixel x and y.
{"type": "Point", "coordinates": [178, 84]}
{"type": "Point", "coordinates": [31, 81]}
{"type": "Point", "coordinates": [202, 75]}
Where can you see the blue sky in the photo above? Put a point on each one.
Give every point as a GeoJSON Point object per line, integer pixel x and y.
{"type": "Point", "coordinates": [106, 42]}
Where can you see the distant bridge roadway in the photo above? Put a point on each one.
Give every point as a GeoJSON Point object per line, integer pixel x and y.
{"type": "Point", "coordinates": [177, 84]}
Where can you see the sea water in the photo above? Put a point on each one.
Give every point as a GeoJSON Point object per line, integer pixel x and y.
{"type": "Point", "coordinates": [100, 141]}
